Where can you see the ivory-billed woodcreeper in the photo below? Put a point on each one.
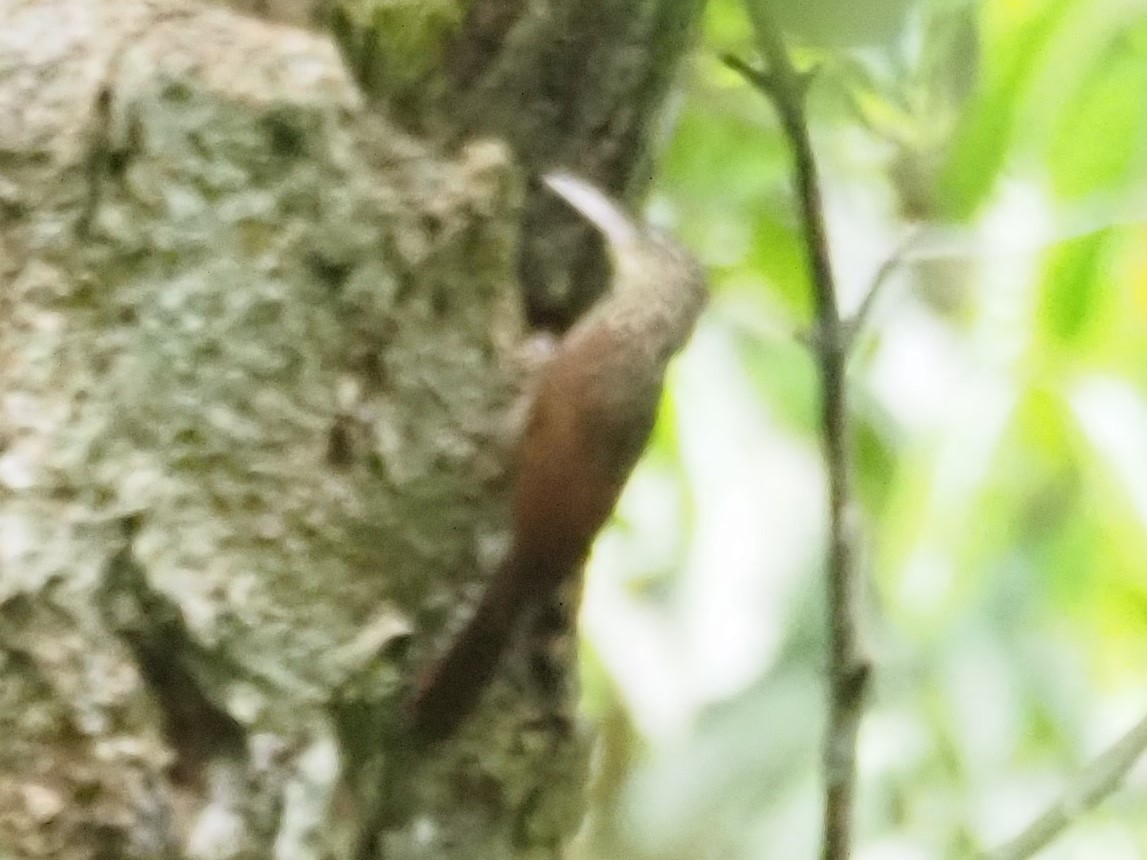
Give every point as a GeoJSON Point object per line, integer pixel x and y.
{"type": "Point", "coordinates": [593, 411]}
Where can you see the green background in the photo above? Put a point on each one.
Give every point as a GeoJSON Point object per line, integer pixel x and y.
{"type": "Point", "coordinates": [997, 151]}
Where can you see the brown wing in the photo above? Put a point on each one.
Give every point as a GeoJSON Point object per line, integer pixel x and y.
{"type": "Point", "coordinates": [576, 455]}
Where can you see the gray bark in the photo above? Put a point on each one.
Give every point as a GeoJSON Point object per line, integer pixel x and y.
{"type": "Point", "coordinates": [261, 346]}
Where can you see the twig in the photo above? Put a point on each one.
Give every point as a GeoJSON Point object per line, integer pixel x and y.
{"type": "Point", "coordinates": [849, 664]}
{"type": "Point", "coordinates": [859, 320]}
{"type": "Point", "coordinates": [759, 78]}
{"type": "Point", "coordinates": [1099, 779]}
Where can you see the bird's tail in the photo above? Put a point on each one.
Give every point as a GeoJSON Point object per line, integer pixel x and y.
{"type": "Point", "coordinates": [449, 690]}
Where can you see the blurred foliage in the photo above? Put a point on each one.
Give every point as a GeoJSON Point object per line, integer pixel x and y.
{"type": "Point", "coordinates": [1000, 442]}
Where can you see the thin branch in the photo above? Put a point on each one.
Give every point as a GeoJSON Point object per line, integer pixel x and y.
{"type": "Point", "coordinates": [849, 664]}
{"type": "Point", "coordinates": [757, 77]}
{"type": "Point", "coordinates": [1099, 779]}
{"type": "Point", "coordinates": [860, 319]}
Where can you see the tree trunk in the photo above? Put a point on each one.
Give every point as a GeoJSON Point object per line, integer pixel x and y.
{"type": "Point", "coordinates": [261, 345]}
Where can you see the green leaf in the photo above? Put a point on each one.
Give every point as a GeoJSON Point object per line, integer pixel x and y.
{"type": "Point", "coordinates": [1072, 296]}
{"type": "Point", "coordinates": [1101, 135]}
{"type": "Point", "coordinates": [1015, 39]}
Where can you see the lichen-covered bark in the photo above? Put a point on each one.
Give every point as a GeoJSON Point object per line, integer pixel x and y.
{"type": "Point", "coordinates": [260, 353]}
